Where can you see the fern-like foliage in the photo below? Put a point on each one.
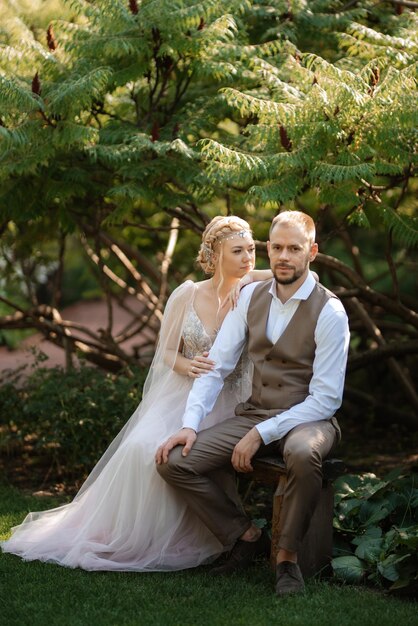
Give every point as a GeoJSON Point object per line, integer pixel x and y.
{"type": "Point", "coordinates": [127, 89]}
{"type": "Point", "coordinates": [179, 103]}
{"type": "Point", "coordinates": [123, 122]}
{"type": "Point", "coordinates": [343, 127]}
{"type": "Point", "coordinates": [404, 227]}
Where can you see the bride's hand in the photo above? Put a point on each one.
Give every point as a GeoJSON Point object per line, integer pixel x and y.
{"type": "Point", "coordinates": [200, 364]}
{"type": "Point", "coordinates": [233, 296]}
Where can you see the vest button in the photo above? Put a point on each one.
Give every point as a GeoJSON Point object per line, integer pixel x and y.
{"type": "Point", "coordinates": [284, 362]}
{"type": "Point", "coordinates": [268, 358]}
{"type": "Point", "coordinates": [264, 384]}
{"type": "Point", "coordinates": [279, 385]}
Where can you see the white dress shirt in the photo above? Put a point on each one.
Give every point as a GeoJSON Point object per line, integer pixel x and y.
{"type": "Point", "coordinates": [327, 382]}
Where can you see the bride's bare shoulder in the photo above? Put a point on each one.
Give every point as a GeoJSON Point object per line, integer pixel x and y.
{"type": "Point", "coordinates": [195, 291]}
{"type": "Point", "coordinates": [204, 285]}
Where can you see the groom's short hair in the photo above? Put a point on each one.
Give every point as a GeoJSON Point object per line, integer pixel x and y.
{"type": "Point", "coordinates": [295, 218]}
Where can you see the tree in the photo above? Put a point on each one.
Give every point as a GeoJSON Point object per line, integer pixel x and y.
{"type": "Point", "coordinates": [330, 128]}
{"type": "Point", "coordinates": [126, 123]}
{"type": "Point", "coordinates": [99, 144]}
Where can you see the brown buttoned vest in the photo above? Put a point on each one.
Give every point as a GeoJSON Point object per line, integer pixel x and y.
{"type": "Point", "coordinates": [282, 371]}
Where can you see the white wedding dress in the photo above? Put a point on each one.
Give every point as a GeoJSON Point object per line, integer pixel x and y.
{"type": "Point", "coordinates": [125, 517]}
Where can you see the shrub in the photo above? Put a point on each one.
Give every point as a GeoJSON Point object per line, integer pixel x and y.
{"type": "Point", "coordinates": [377, 530]}
{"type": "Point", "coordinates": [66, 419]}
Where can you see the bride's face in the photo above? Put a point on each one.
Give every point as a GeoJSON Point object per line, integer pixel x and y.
{"type": "Point", "coordinates": [237, 257]}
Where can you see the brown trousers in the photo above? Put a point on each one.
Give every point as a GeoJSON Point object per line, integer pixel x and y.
{"type": "Point", "coordinates": [205, 477]}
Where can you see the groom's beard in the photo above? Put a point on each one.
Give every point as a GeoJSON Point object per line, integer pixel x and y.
{"type": "Point", "coordinates": [292, 278]}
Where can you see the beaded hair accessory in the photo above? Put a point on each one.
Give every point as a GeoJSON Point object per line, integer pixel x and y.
{"type": "Point", "coordinates": [238, 233]}
{"type": "Point", "coordinates": [208, 250]}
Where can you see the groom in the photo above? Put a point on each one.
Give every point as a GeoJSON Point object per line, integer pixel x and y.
{"type": "Point", "coordinates": [297, 336]}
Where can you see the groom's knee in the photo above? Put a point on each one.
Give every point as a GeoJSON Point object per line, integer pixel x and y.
{"type": "Point", "coordinates": [174, 467]}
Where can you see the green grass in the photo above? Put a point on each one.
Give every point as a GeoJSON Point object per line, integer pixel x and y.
{"type": "Point", "coordinates": [48, 595]}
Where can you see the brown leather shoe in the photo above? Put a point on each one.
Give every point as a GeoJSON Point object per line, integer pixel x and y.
{"type": "Point", "coordinates": [243, 554]}
{"type": "Point", "coordinates": [289, 579]}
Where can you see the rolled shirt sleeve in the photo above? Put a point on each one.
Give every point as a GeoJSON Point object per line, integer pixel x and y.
{"type": "Point", "coordinates": [327, 383]}
{"type": "Point", "coordinates": [225, 352]}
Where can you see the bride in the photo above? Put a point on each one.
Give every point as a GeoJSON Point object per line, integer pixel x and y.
{"type": "Point", "coordinates": [125, 517]}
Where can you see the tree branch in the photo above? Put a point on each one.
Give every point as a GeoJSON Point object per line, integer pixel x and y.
{"type": "Point", "coordinates": [358, 361]}
{"type": "Point", "coordinates": [366, 292]}
{"type": "Point", "coordinates": [402, 3]}
{"type": "Point", "coordinates": [394, 366]}
{"type": "Point", "coordinates": [129, 250]}
{"type": "Point", "coordinates": [119, 281]}
{"type": "Point", "coordinates": [166, 262]}
{"type": "Point", "coordinates": [392, 413]}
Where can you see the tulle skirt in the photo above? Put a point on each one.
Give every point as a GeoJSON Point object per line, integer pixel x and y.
{"type": "Point", "coordinates": [127, 518]}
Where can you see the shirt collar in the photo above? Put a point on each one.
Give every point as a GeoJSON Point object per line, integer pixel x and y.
{"type": "Point", "coordinates": [302, 293]}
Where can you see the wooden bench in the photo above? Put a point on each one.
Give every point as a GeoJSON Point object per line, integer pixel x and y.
{"type": "Point", "coordinates": [316, 551]}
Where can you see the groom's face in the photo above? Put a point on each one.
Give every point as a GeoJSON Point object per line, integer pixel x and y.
{"type": "Point", "coordinates": [290, 252]}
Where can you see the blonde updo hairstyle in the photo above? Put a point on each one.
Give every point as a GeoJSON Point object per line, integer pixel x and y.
{"type": "Point", "coordinates": [218, 229]}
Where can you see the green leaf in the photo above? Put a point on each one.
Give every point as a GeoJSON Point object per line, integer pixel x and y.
{"type": "Point", "coordinates": [394, 474]}
{"type": "Point", "coordinates": [346, 507]}
{"type": "Point", "coordinates": [401, 583]}
{"type": "Point", "coordinates": [404, 227]}
{"type": "Point", "coordinates": [372, 512]}
{"type": "Point", "coordinates": [359, 218]}
{"type": "Point", "coordinates": [354, 484]}
{"type": "Point", "coordinates": [348, 568]}
{"type": "Point", "coordinates": [388, 568]}
{"type": "Point", "coordinates": [408, 536]}
{"type": "Point", "coordinates": [373, 531]}
{"type": "Point", "coordinates": [369, 549]}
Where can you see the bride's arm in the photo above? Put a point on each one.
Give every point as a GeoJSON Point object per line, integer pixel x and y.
{"type": "Point", "coordinates": [170, 344]}
{"type": "Point", "coordinates": [255, 275]}
{"type": "Point", "coordinates": [251, 277]}
{"type": "Point", "coordinates": [192, 368]}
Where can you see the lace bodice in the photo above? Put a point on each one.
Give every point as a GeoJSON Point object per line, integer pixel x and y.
{"type": "Point", "coordinates": [196, 340]}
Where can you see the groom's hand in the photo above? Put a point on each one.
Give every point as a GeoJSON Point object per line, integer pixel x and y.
{"type": "Point", "coordinates": [245, 450]}
{"type": "Point", "coordinates": [185, 437]}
